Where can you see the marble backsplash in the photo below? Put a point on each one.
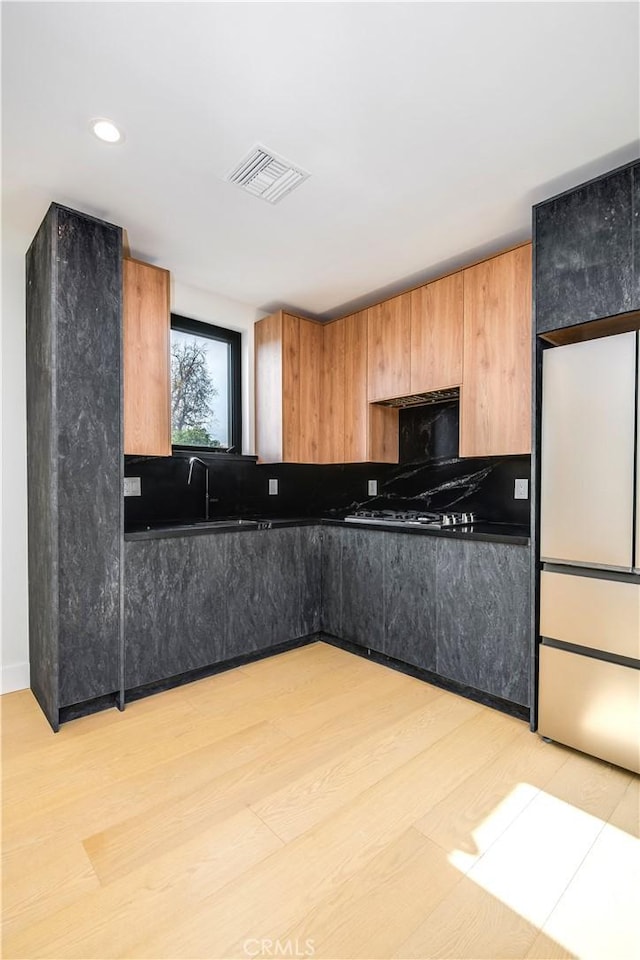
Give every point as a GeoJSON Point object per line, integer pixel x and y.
{"type": "Point", "coordinates": [430, 476]}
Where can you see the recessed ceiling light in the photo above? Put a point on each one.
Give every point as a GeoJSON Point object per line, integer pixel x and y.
{"type": "Point", "coordinates": [106, 130]}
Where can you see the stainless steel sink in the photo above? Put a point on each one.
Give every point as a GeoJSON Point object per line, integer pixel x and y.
{"type": "Point", "coordinates": [174, 528]}
{"type": "Point", "coordinates": [228, 524]}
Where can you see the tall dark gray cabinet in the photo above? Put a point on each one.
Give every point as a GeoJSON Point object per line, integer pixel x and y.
{"type": "Point", "coordinates": [74, 346]}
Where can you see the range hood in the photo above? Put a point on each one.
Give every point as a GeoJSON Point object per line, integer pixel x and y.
{"type": "Point", "coordinates": [422, 399]}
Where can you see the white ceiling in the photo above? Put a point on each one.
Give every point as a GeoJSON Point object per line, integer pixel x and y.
{"type": "Point", "coordinates": [429, 129]}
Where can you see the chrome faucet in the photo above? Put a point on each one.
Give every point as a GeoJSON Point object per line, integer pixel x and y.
{"type": "Point", "coordinates": [193, 460]}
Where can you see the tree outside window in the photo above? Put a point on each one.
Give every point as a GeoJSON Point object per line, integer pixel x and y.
{"type": "Point", "coordinates": [202, 391]}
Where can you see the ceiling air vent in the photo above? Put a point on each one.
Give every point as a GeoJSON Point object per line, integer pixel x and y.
{"type": "Point", "coordinates": [266, 175]}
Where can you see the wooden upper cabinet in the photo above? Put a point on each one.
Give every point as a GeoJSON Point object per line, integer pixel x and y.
{"type": "Point", "coordinates": [321, 388]}
{"type": "Point", "coordinates": [288, 356]}
{"type": "Point", "coordinates": [389, 348]}
{"type": "Point", "coordinates": [146, 360]}
{"type": "Point", "coordinates": [311, 394]}
{"type": "Point", "coordinates": [495, 405]}
{"type": "Point", "coordinates": [333, 390]}
{"type": "Point", "coordinates": [370, 430]}
{"type": "Point", "coordinates": [310, 365]}
{"type": "Point", "coordinates": [383, 434]}
{"type": "Point", "coordinates": [437, 326]}
{"type": "Point", "coordinates": [290, 409]}
{"type": "Point", "coordinates": [356, 401]}
{"type": "Point", "coordinates": [269, 388]}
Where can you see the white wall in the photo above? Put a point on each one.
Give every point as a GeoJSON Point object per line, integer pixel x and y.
{"type": "Point", "coordinates": [188, 301]}
{"type": "Point", "coordinates": [15, 668]}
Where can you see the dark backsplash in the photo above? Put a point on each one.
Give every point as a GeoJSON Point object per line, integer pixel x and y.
{"type": "Point", "coordinates": [430, 476]}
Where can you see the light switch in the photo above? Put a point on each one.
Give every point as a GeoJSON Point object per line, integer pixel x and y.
{"type": "Point", "coordinates": [521, 490]}
{"type": "Point", "coordinates": [273, 487]}
{"type": "Point", "coordinates": [372, 488]}
{"type": "Point", "coordinates": [132, 487]}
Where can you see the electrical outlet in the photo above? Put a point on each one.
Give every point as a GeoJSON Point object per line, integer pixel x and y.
{"type": "Point", "coordinates": [521, 490]}
{"type": "Point", "coordinates": [372, 488]}
{"type": "Point", "coordinates": [273, 487]}
{"type": "Point", "coordinates": [132, 487]}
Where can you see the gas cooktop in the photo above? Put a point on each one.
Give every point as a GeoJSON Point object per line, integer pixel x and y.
{"type": "Point", "coordinates": [413, 517]}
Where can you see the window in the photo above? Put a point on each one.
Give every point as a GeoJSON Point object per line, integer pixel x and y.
{"type": "Point", "coordinates": [206, 405]}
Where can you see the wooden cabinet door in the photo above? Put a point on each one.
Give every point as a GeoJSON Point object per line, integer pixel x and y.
{"type": "Point", "coordinates": [356, 404]}
{"type": "Point", "coordinates": [437, 324]}
{"type": "Point", "coordinates": [311, 394]}
{"type": "Point", "coordinates": [310, 365]}
{"type": "Point", "coordinates": [289, 399]}
{"type": "Point", "coordinates": [147, 374]}
{"type": "Point", "coordinates": [389, 348]}
{"type": "Point", "coordinates": [268, 388]}
{"type": "Point", "coordinates": [288, 357]}
{"type": "Point", "coordinates": [370, 430]}
{"type": "Point", "coordinates": [495, 404]}
{"type": "Point", "coordinates": [333, 388]}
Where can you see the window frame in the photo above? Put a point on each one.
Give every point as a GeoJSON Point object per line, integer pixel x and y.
{"type": "Point", "coordinates": [234, 339]}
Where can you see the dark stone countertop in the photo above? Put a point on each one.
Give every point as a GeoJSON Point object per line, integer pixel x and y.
{"type": "Point", "coordinates": [493, 532]}
{"type": "Point", "coordinates": [197, 528]}
{"type": "Point", "coordinates": [488, 531]}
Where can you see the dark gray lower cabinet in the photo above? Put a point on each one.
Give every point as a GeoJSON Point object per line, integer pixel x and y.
{"type": "Point", "coordinates": [195, 601]}
{"type": "Point", "coordinates": [453, 607]}
{"type": "Point", "coordinates": [456, 608]}
{"type": "Point", "coordinates": [175, 600]}
{"type": "Point", "coordinates": [331, 610]}
{"type": "Point", "coordinates": [352, 584]}
{"type": "Point", "coordinates": [378, 590]}
{"type": "Point", "coordinates": [273, 587]}
{"type": "Point", "coordinates": [482, 611]}
{"type": "Point", "coordinates": [410, 599]}
{"type": "Point", "coordinates": [362, 608]}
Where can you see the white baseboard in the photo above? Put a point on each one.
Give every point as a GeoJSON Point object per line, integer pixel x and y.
{"type": "Point", "coordinates": [14, 676]}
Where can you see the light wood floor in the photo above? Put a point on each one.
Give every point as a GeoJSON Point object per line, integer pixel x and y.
{"type": "Point", "coordinates": [313, 804]}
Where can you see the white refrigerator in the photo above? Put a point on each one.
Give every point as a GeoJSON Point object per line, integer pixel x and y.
{"type": "Point", "coordinates": [589, 662]}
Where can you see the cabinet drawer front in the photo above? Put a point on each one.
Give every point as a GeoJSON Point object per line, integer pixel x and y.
{"type": "Point", "coordinates": [591, 705]}
{"type": "Point", "coordinates": [601, 614]}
